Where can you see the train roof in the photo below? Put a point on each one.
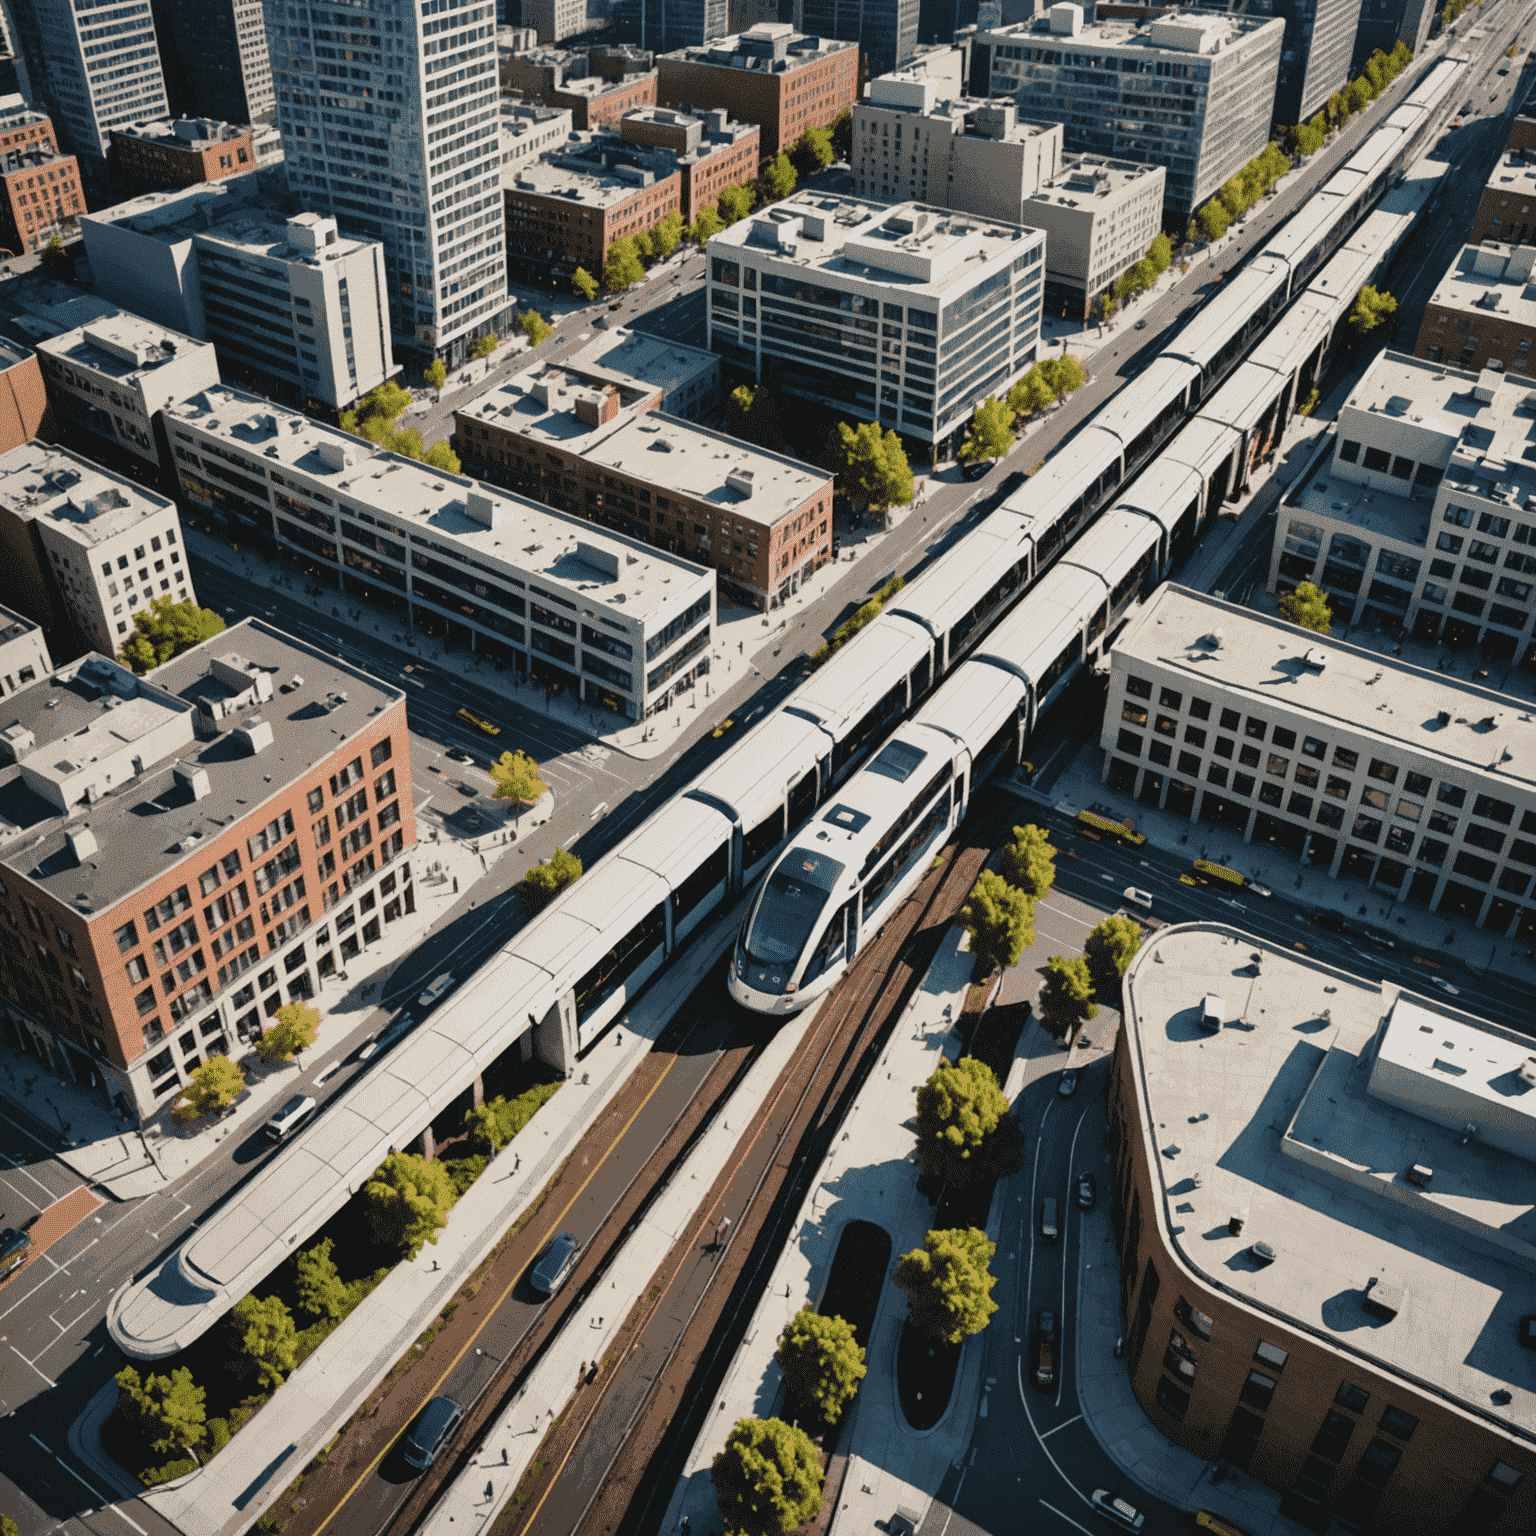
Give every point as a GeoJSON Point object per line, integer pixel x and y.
{"type": "Point", "coordinates": [1203, 443]}
{"type": "Point", "coordinates": [1069, 473]}
{"type": "Point", "coordinates": [1030, 638]}
{"type": "Point", "coordinates": [1116, 544]}
{"type": "Point", "coordinates": [1204, 337]}
{"type": "Point", "coordinates": [976, 702]}
{"type": "Point", "coordinates": [674, 841]}
{"type": "Point", "coordinates": [1156, 389]}
{"type": "Point", "coordinates": [749, 779]}
{"type": "Point", "coordinates": [848, 685]}
{"type": "Point", "coordinates": [965, 573]}
{"type": "Point", "coordinates": [1165, 490]}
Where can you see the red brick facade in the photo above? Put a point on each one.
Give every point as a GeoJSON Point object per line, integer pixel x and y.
{"type": "Point", "coordinates": [540, 224]}
{"type": "Point", "coordinates": [154, 163]}
{"type": "Point", "coordinates": [604, 108]}
{"type": "Point", "coordinates": [42, 187]}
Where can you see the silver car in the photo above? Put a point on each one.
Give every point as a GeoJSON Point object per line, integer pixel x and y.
{"type": "Point", "coordinates": [554, 1269]}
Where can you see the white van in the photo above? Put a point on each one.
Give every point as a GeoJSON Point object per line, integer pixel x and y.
{"type": "Point", "coordinates": [289, 1118]}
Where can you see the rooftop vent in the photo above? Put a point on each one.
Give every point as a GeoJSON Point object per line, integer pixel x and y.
{"type": "Point", "coordinates": [1385, 1298]}
{"type": "Point", "coordinates": [1315, 659]}
{"type": "Point", "coordinates": [194, 778]}
{"type": "Point", "coordinates": [1527, 1070]}
{"type": "Point", "coordinates": [256, 733]}
{"type": "Point", "coordinates": [1420, 1174]}
{"type": "Point", "coordinates": [82, 844]}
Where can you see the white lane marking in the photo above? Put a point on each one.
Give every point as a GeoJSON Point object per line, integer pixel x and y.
{"type": "Point", "coordinates": [51, 1382]}
{"type": "Point", "coordinates": [1067, 1425]}
{"type": "Point", "coordinates": [1070, 1521]}
{"type": "Point", "coordinates": [1066, 1218]}
{"type": "Point", "coordinates": [96, 1494]}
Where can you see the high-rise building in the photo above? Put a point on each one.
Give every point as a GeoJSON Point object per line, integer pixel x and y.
{"type": "Point", "coordinates": [1314, 57]}
{"type": "Point", "coordinates": [670, 24]}
{"type": "Point", "coordinates": [1385, 23]}
{"type": "Point", "coordinates": [402, 143]}
{"type": "Point", "coordinates": [886, 30]}
{"type": "Point", "coordinates": [216, 60]}
{"type": "Point", "coordinates": [89, 70]}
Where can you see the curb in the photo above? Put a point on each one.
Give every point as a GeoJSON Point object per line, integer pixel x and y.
{"type": "Point", "coordinates": [84, 1437]}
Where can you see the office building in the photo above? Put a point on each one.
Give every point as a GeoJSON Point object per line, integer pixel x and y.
{"type": "Point", "coordinates": [107, 380]}
{"type": "Point", "coordinates": [772, 75]}
{"type": "Point", "coordinates": [686, 380]}
{"type": "Point", "coordinates": [527, 130]}
{"type": "Point", "coordinates": [1322, 1210]}
{"type": "Point", "coordinates": [1384, 24]}
{"type": "Point", "coordinates": [1099, 217]}
{"type": "Point", "coordinates": [1415, 519]}
{"type": "Point", "coordinates": [667, 25]}
{"type": "Point", "coordinates": [1415, 785]}
{"type": "Point", "coordinates": [216, 60]}
{"type": "Point", "coordinates": [405, 150]}
{"type": "Point", "coordinates": [293, 306]}
{"type": "Point", "coordinates": [181, 152]}
{"type": "Point", "coordinates": [597, 85]}
{"type": "Point", "coordinates": [710, 151]}
{"type": "Point", "coordinates": [1315, 54]}
{"type": "Point", "coordinates": [23, 652]}
{"type": "Point", "coordinates": [617, 625]}
{"type": "Point", "coordinates": [90, 77]}
{"type": "Point", "coordinates": [1480, 314]}
{"type": "Point", "coordinates": [1190, 90]}
{"type": "Point", "coordinates": [956, 300]}
{"type": "Point", "coordinates": [1505, 213]}
{"type": "Point", "coordinates": [552, 21]}
{"type": "Point", "coordinates": [24, 410]}
{"type": "Point", "coordinates": [909, 144]}
{"type": "Point", "coordinates": [885, 30]}
{"type": "Point", "coordinates": [186, 852]}
{"type": "Point", "coordinates": [743, 15]}
{"type": "Point", "coordinates": [85, 549]}
{"type": "Point", "coordinates": [41, 197]}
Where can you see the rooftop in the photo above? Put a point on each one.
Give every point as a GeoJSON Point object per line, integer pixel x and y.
{"type": "Point", "coordinates": [15, 113]}
{"type": "Point", "coordinates": [1176, 33]}
{"type": "Point", "coordinates": [1304, 1116]}
{"type": "Point", "coordinates": [909, 91]}
{"type": "Point", "coordinates": [1278, 666]}
{"type": "Point", "coordinates": [1087, 179]}
{"type": "Point", "coordinates": [923, 249]}
{"type": "Point", "coordinates": [13, 624]}
{"type": "Point", "coordinates": [1514, 175]}
{"type": "Point", "coordinates": [29, 156]}
{"type": "Point", "coordinates": [122, 346]}
{"type": "Point", "coordinates": [196, 727]}
{"type": "Point", "coordinates": [770, 47]}
{"type": "Point", "coordinates": [638, 357]}
{"type": "Point", "coordinates": [1493, 278]}
{"type": "Point", "coordinates": [190, 135]}
{"type": "Point", "coordinates": [44, 483]}
{"type": "Point", "coordinates": [565, 176]}
{"type": "Point", "coordinates": [549, 405]}
{"type": "Point", "coordinates": [600, 85]}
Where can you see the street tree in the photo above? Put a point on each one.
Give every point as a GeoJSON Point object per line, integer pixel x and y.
{"type": "Point", "coordinates": [966, 1134]}
{"type": "Point", "coordinates": [1160, 252]}
{"type": "Point", "coordinates": [516, 777]}
{"type": "Point", "coordinates": [485, 345]}
{"type": "Point", "coordinates": [374, 415]}
{"type": "Point", "coordinates": [991, 431]}
{"type": "Point", "coordinates": [666, 235]}
{"type": "Point", "coordinates": [166, 629]}
{"type": "Point", "coordinates": [705, 226]}
{"type": "Point", "coordinates": [171, 1409]}
{"type": "Point", "coordinates": [1000, 920]}
{"type": "Point", "coordinates": [1029, 861]}
{"type": "Point", "coordinates": [294, 1032]}
{"type": "Point", "coordinates": [215, 1085]}
{"type": "Point", "coordinates": [1032, 394]}
{"type": "Point", "coordinates": [1307, 607]}
{"type": "Point", "coordinates": [622, 270]}
{"type": "Point", "coordinates": [544, 882]}
{"type": "Point", "coordinates": [737, 202]}
{"type": "Point", "coordinates": [822, 1363]}
{"type": "Point", "coordinates": [494, 1123]}
{"type": "Point", "coordinates": [408, 1198]}
{"type": "Point", "coordinates": [441, 456]}
{"type": "Point", "coordinates": [872, 465]}
{"type": "Point", "coordinates": [948, 1284]}
{"type": "Point", "coordinates": [1373, 306]}
{"type": "Point", "coordinates": [1213, 220]}
{"type": "Point", "coordinates": [584, 284]}
{"type": "Point", "coordinates": [534, 326]}
{"type": "Point", "coordinates": [1066, 996]}
{"type": "Point", "coordinates": [767, 1479]}
{"type": "Point", "coordinates": [778, 178]}
{"type": "Point", "coordinates": [1064, 374]}
{"type": "Point", "coordinates": [264, 1338]}
{"type": "Point", "coordinates": [436, 374]}
{"type": "Point", "coordinates": [1108, 950]}
{"type": "Point", "coordinates": [322, 1293]}
{"type": "Point", "coordinates": [1105, 308]}
{"type": "Point", "coordinates": [842, 134]}
{"type": "Point", "coordinates": [813, 150]}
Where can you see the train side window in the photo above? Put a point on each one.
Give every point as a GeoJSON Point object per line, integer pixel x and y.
{"type": "Point", "coordinates": [1006, 739]}
{"type": "Point", "coordinates": [761, 839]}
{"type": "Point", "coordinates": [700, 883]}
{"type": "Point", "coordinates": [802, 798]}
{"type": "Point", "coordinates": [833, 944]}
{"type": "Point", "coordinates": [922, 676]}
{"type": "Point", "coordinates": [886, 708]}
{"type": "Point", "coordinates": [621, 962]}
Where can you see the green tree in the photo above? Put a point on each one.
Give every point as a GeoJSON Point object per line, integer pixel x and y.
{"type": "Point", "coordinates": [872, 465]}
{"type": "Point", "coordinates": [8, 1527]}
{"type": "Point", "coordinates": [376, 412]}
{"type": "Point", "coordinates": [215, 1085]}
{"type": "Point", "coordinates": [777, 179]}
{"type": "Point", "coordinates": [322, 1293]}
{"type": "Point", "coordinates": [666, 235]}
{"type": "Point", "coordinates": [813, 150]}
{"type": "Point", "coordinates": [436, 373]}
{"type": "Point", "coordinates": [622, 270]}
{"type": "Point", "coordinates": [767, 1479]}
{"type": "Point", "coordinates": [1000, 920]}
{"type": "Point", "coordinates": [991, 431]}
{"type": "Point", "coordinates": [1307, 607]}
{"type": "Point", "coordinates": [645, 246]}
{"type": "Point", "coordinates": [534, 326]}
{"type": "Point", "coordinates": [406, 441]}
{"type": "Point", "coordinates": [966, 1134]}
{"type": "Point", "coordinates": [441, 456]}
{"type": "Point", "coordinates": [1066, 998]}
{"type": "Point", "coordinates": [409, 1198]}
{"type": "Point", "coordinates": [172, 1409]}
{"type": "Point", "coordinates": [1105, 308]}
{"type": "Point", "coordinates": [166, 629]}
{"type": "Point", "coordinates": [516, 776]}
{"type": "Point", "coordinates": [1358, 94]}
{"type": "Point", "coordinates": [822, 1362]}
{"type": "Point", "coordinates": [294, 1032]}
{"type": "Point", "coordinates": [948, 1284]}
{"type": "Point", "coordinates": [1108, 950]}
{"type": "Point", "coordinates": [1064, 374]}
{"type": "Point", "coordinates": [737, 202]}
{"type": "Point", "coordinates": [842, 134]}
{"type": "Point", "coordinates": [1213, 221]}
{"type": "Point", "coordinates": [263, 1334]}
{"type": "Point", "coordinates": [1032, 394]}
{"type": "Point", "coordinates": [1029, 861]}
{"type": "Point", "coordinates": [1160, 252]}
{"type": "Point", "coordinates": [584, 284]}
{"type": "Point", "coordinates": [1372, 308]}
{"type": "Point", "coordinates": [706, 226]}
{"type": "Point", "coordinates": [494, 1123]}
{"type": "Point", "coordinates": [544, 882]}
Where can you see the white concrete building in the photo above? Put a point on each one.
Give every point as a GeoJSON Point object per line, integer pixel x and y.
{"type": "Point", "coordinates": [110, 376]}
{"type": "Point", "coordinates": [23, 652]}
{"type": "Point", "coordinates": [688, 378]}
{"type": "Point", "coordinates": [403, 143]}
{"type": "Point", "coordinates": [1099, 217]}
{"type": "Point", "coordinates": [823, 286]}
{"type": "Point", "coordinates": [1416, 517]}
{"type": "Point", "coordinates": [1419, 786]}
{"type": "Point", "coordinates": [909, 142]}
{"type": "Point", "coordinates": [527, 131]}
{"type": "Point", "coordinates": [552, 595]}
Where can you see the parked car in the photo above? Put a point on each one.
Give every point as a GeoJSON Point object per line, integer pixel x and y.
{"type": "Point", "coordinates": [426, 1438]}
{"type": "Point", "coordinates": [1137, 897]}
{"type": "Point", "coordinates": [1068, 1084]}
{"type": "Point", "coordinates": [1087, 1191]}
{"type": "Point", "coordinates": [1445, 986]}
{"type": "Point", "coordinates": [15, 1245]}
{"type": "Point", "coordinates": [289, 1118]}
{"type": "Point", "coordinates": [977, 469]}
{"type": "Point", "coordinates": [1258, 890]}
{"type": "Point", "coordinates": [1049, 1231]}
{"type": "Point", "coordinates": [1113, 1507]}
{"type": "Point", "coordinates": [1043, 1352]}
{"type": "Point", "coordinates": [459, 755]}
{"type": "Point", "coordinates": [434, 989]}
{"type": "Point", "coordinates": [1330, 920]}
{"type": "Point", "coordinates": [1141, 325]}
{"type": "Point", "coordinates": [553, 1270]}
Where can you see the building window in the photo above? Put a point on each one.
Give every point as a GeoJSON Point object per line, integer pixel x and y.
{"type": "Point", "coordinates": [1352, 1397]}
{"type": "Point", "coordinates": [1258, 1390]}
{"type": "Point", "coordinates": [1395, 1422]}
{"type": "Point", "coordinates": [1272, 1355]}
{"type": "Point", "coordinates": [1197, 1322]}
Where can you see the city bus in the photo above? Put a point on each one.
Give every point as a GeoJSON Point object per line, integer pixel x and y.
{"type": "Point", "coordinates": [480, 723]}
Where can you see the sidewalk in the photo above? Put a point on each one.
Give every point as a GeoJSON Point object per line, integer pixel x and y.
{"type": "Point", "coordinates": [870, 1174]}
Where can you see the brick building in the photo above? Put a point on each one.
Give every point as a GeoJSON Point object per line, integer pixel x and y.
{"type": "Point", "coordinates": [770, 75]}
{"type": "Point", "coordinates": [204, 853]}
{"type": "Point", "coordinates": [1507, 211]}
{"type": "Point", "coordinates": [1480, 315]}
{"type": "Point", "coordinates": [598, 85]}
{"type": "Point", "coordinates": [711, 152]}
{"type": "Point", "coordinates": [42, 197]}
{"type": "Point", "coordinates": [183, 152]}
{"type": "Point", "coordinates": [23, 396]}
{"type": "Point", "coordinates": [1365, 1364]}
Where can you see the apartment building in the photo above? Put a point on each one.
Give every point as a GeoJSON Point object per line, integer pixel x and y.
{"type": "Point", "coordinates": [811, 286]}
{"type": "Point", "coordinates": [179, 152]}
{"type": "Point", "coordinates": [711, 151]}
{"type": "Point", "coordinates": [1314, 55]}
{"type": "Point", "coordinates": [619, 626]}
{"type": "Point", "coordinates": [884, 30]}
{"type": "Point", "coordinates": [1099, 217]}
{"type": "Point", "coordinates": [214, 841]}
{"type": "Point", "coordinates": [1505, 212]}
{"type": "Point", "coordinates": [1406, 782]}
{"type": "Point", "coordinates": [1321, 1211]}
{"type": "Point", "coordinates": [216, 60]}
{"type": "Point", "coordinates": [1385, 23]}
{"type": "Point", "coordinates": [672, 24]}
{"type": "Point", "coordinates": [107, 380]}
{"type": "Point", "coordinates": [23, 652]}
{"type": "Point", "coordinates": [1192, 91]}
{"type": "Point", "coordinates": [596, 85]}
{"type": "Point", "coordinates": [41, 198]}
{"type": "Point", "coordinates": [552, 21]}
{"type": "Point", "coordinates": [685, 380]}
{"type": "Point", "coordinates": [771, 75]}
{"type": "Point", "coordinates": [84, 548]}
{"type": "Point", "coordinates": [597, 101]}
{"type": "Point", "coordinates": [1414, 517]}
{"type": "Point", "coordinates": [23, 396]}
{"type": "Point", "coordinates": [972, 156]}
{"type": "Point", "coordinates": [527, 131]}
{"type": "Point", "coordinates": [293, 306]}
{"type": "Point", "coordinates": [1479, 315]}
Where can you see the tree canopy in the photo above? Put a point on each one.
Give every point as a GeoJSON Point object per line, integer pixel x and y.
{"type": "Point", "coordinates": [948, 1283]}
{"type": "Point", "coordinates": [544, 882]}
{"type": "Point", "coordinates": [767, 1479]}
{"type": "Point", "coordinates": [265, 1338]}
{"type": "Point", "coordinates": [1029, 861]}
{"type": "Point", "coordinates": [321, 1291]}
{"type": "Point", "coordinates": [966, 1134]}
{"type": "Point", "coordinates": [707, 224]}
{"type": "Point", "coordinates": [842, 134]}
{"type": "Point", "coordinates": [991, 432]}
{"type": "Point", "coordinates": [166, 629]}
{"type": "Point", "coordinates": [214, 1085]}
{"type": "Point", "coordinates": [1373, 306]}
{"type": "Point", "coordinates": [374, 415]}
{"type": "Point", "coordinates": [534, 326]}
{"type": "Point", "coordinates": [1066, 997]}
{"type": "Point", "coordinates": [777, 179]}
{"type": "Point", "coordinates": [1108, 950]}
{"type": "Point", "coordinates": [441, 456]}
{"type": "Point", "coordinates": [622, 270]}
{"type": "Point", "coordinates": [409, 1198]}
{"type": "Point", "coordinates": [294, 1031]}
{"type": "Point", "coordinates": [1032, 394]}
{"type": "Point", "coordinates": [516, 776]}
{"type": "Point", "coordinates": [483, 346]}
{"type": "Point", "coordinates": [666, 234]}
{"type": "Point", "coordinates": [871, 465]}
{"type": "Point", "coordinates": [752, 414]}
{"type": "Point", "coordinates": [494, 1123]}
{"type": "Point", "coordinates": [436, 373]}
{"type": "Point", "coordinates": [171, 1408]}
{"type": "Point", "coordinates": [737, 202]}
{"type": "Point", "coordinates": [822, 1363]}
{"type": "Point", "coordinates": [1000, 920]}
{"type": "Point", "coordinates": [813, 150]}
{"type": "Point", "coordinates": [1064, 374]}
{"type": "Point", "coordinates": [1307, 607]}
{"type": "Point", "coordinates": [1160, 252]}
{"type": "Point", "coordinates": [584, 284]}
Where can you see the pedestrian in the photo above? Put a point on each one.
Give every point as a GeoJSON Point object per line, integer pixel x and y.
{"type": "Point", "coordinates": [517, 1161]}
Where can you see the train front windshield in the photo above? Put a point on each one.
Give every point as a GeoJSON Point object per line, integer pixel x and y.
{"type": "Point", "coordinates": [789, 914]}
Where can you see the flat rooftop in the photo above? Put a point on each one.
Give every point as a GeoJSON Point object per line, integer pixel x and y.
{"type": "Point", "coordinates": [1276, 1117]}
{"type": "Point", "coordinates": [1263, 658]}
{"type": "Point", "coordinates": [1514, 176]}
{"type": "Point", "coordinates": [190, 135]}
{"type": "Point", "coordinates": [89, 712]}
{"type": "Point", "coordinates": [1089, 179]}
{"type": "Point", "coordinates": [1178, 33]}
{"type": "Point", "coordinates": [122, 346]}
{"type": "Point", "coordinates": [598, 85]}
{"type": "Point", "coordinates": [754, 49]}
{"type": "Point", "coordinates": [574, 183]}
{"type": "Point", "coordinates": [1493, 279]}
{"type": "Point", "coordinates": [693, 461]}
{"type": "Point", "coordinates": [13, 624]}
{"type": "Point", "coordinates": [40, 482]}
{"type": "Point", "coordinates": [541, 403]}
{"type": "Point", "coordinates": [638, 357]}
